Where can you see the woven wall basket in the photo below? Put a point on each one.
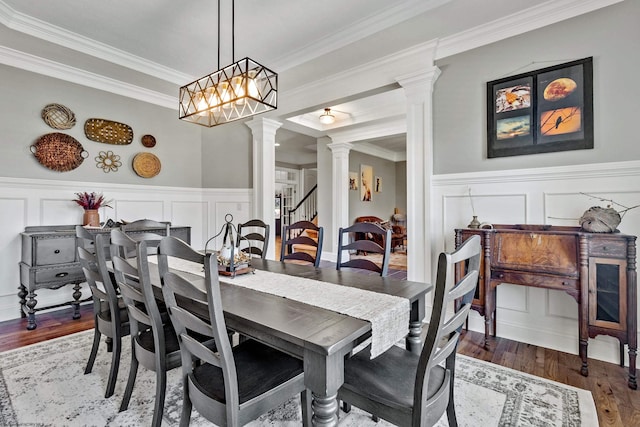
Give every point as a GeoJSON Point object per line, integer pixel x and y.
{"type": "Point", "coordinates": [146, 165]}
{"type": "Point", "coordinates": [59, 152]}
{"type": "Point", "coordinates": [58, 116]}
{"type": "Point", "coordinates": [107, 131]}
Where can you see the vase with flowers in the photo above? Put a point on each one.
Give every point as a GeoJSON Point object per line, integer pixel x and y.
{"type": "Point", "coordinates": [91, 202]}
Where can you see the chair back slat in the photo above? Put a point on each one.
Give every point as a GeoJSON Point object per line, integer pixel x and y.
{"type": "Point", "coordinates": [256, 240]}
{"type": "Point", "coordinates": [294, 234]}
{"type": "Point", "coordinates": [348, 241]}
{"type": "Point", "coordinates": [442, 335]}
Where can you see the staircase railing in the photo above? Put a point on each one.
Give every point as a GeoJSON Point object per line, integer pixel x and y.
{"type": "Point", "coordinates": [306, 209]}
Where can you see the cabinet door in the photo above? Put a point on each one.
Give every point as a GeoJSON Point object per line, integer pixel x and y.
{"type": "Point", "coordinates": [478, 297]}
{"type": "Point", "coordinates": [608, 293]}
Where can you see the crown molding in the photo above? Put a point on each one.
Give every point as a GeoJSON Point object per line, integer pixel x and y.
{"type": "Point", "coordinates": [518, 23]}
{"type": "Point", "coordinates": [357, 31]}
{"type": "Point", "coordinates": [60, 71]}
{"type": "Point", "coordinates": [43, 30]}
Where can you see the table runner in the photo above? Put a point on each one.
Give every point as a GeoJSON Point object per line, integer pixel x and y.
{"type": "Point", "coordinates": [388, 314]}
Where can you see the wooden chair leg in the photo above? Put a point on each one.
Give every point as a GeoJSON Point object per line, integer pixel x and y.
{"type": "Point", "coordinates": [115, 365]}
{"type": "Point", "coordinates": [133, 371]}
{"type": "Point", "coordinates": [346, 407]}
{"type": "Point", "coordinates": [185, 417]}
{"type": "Point", "coordinates": [161, 386]}
{"type": "Point", "coordinates": [94, 351]}
{"type": "Point", "coordinates": [451, 406]}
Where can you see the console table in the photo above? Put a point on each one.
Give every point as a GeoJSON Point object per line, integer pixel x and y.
{"type": "Point", "coordinates": [50, 261]}
{"type": "Point", "coordinates": [597, 269]}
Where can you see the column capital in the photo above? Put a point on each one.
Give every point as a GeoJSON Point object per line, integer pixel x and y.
{"type": "Point", "coordinates": [263, 125]}
{"type": "Point", "coordinates": [340, 147]}
{"type": "Point", "coordinates": [418, 85]}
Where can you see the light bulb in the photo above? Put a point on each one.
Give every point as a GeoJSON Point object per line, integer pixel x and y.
{"type": "Point", "coordinates": [225, 96]}
{"type": "Point", "coordinates": [252, 85]}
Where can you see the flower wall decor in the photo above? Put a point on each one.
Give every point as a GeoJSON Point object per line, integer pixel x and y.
{"type": "Point", "coordinates": [108, 161]}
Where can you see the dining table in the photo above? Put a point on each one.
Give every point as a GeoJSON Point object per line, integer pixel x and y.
{"type": "Point", "coordinates": [321, 337]}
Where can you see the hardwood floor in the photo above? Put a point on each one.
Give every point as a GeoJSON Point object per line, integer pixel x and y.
{"type": "Point", "coordinates": [617, 405]}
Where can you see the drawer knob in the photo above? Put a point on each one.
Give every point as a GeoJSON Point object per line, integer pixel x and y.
{"type": "Point", "coordinates": [57, 251]}
{"type": "Point", "coordinates": [500, 276]}
{"type": "Point", "coordinates": [604, 248]}
{"type": "Point", "coordinates": [63, 274]}
{"type": "Point", "coordinates": [565, 283]}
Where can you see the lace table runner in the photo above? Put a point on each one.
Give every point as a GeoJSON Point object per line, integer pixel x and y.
{"type": "Point", "coordinates": [388, 314]}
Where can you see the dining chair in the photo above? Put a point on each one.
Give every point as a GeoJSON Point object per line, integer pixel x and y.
{"type": "Point", "coordinates": [109, 312]}
{"type": "Point", "coordinates": [347, 242]}
{"type": "Point", "coordinates": [415, 390]}
{"type": "Point", "coordinates": [145, 224]}
{"type": "Point", "coordinates": [154, 344]}
{"type": "Point", "coordinates": [255, 241]}
{"type": "Point", "coordinates": [230, 385]}
{"type": "Point", "coordinates": [298, 242]}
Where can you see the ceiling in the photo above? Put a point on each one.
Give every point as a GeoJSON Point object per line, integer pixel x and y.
{"type": "Point", "coordinates": [162, 44]}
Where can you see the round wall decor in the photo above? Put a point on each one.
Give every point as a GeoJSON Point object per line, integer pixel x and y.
{"type": "Point", "coordinates": [148, 141]}
{"type": "Point", "coordinates": [108, 161]}
{"type": "Point", "coordinates": [146, 165]}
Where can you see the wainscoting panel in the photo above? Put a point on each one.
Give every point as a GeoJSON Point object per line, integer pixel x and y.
{"type": "Point", "coordinates": [31, 202]}
{"type": "Point", "coordinates": [556, 196]}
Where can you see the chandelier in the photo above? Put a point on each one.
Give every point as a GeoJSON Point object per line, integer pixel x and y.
{"type": "Point", "coordinates": [242, 89]}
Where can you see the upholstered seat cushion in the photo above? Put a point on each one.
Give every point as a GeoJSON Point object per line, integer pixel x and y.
{"type": "Point", "coordinates": [389, 378]}
{"type": "Point", "coordinates": [145, 339]}
{"type": "Point", "coordinates": [260, 368]}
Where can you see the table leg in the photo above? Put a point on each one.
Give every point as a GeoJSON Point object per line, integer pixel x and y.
{"type": "Point", "coordinates": [323, 375]}
{"type": "Point", "coordinates": [22, 294]}
{"type": "Point", "coordinates": [31, 312]}
{"type": "Point", "coordinates": [413, 341]}
{"type": "Point", "coordinates": [76, 301]}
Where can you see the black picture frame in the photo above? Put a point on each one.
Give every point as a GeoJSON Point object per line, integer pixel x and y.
{"type": "Point", "coordinates": [542, 111]}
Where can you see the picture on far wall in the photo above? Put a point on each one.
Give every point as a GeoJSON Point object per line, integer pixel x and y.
{"type": "Point", "coordinates": [366, 182]}
{"type": "Point", "coordinates": [353, 180]}
{"type": "Point", "coordinates": [378, 184]}
{"type": "Point", "coordinates": [542, 111]}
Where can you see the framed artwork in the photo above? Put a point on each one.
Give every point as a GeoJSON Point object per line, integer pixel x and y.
{"type": "Point", "coordinates": [378, 184]}
{"type": "Point", "coordinates": [353, 180]}
{"type": "Point", "coordinates": [366, 182]}
{"type": "Point", "coordinates": [542, 111]}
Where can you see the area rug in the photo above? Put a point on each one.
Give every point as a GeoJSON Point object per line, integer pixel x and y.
{"type": "Point", "coordinates": [397, 259]}
{"type": "Point", "coordinates": [43, 385]}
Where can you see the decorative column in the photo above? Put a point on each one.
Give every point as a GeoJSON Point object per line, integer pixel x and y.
{"type": "Point", "coordinates": [340, 189]}
{"type": "Point", "coordinates": [325, 196]}
{"type": "Point", "coordinates": [418, 88]}
{"type": "Point", "coordinates": [264, 174]}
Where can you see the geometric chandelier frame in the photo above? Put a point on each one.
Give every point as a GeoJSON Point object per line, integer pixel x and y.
{"type": "Point", "coordinates": [242, 89]}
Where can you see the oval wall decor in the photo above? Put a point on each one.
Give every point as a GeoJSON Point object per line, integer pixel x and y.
{"type": "Point", "coordinates": [59, 152]}
{"type": "Point", "coordinates": [58, 116]}
{"type": "Point", "coordinates": [148, 141]}
{"type": "Point", "coordinates": [146, 165]}
{"type": "Point", "coordinates": [108, 131]}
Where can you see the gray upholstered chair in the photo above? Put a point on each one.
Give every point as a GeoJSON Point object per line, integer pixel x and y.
{"type": "Point", "coordinates": [307, 237]}
{"type": "Point", "coordinates": [232, 385]}
{"type": "Point", "coordinates": [154, 344]}
{"type": "Point", "coordinates": [415, 390]}
{"type": "Point", "coordinates": [109, 312]}
{"type": "Point", "coordinates": [253, 241]}
{"type": "Point", "coordinates": [347, 242]}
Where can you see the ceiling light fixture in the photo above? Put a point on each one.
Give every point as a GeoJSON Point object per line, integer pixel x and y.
{"type": "Point", "coordinates": [327, 118]}
{"type": "Point", "coordinates": [242, 89]}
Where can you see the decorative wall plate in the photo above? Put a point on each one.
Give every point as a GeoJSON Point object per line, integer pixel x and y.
{"type": "Point", "coordinates": [58, 116]}
{"type": "Point", "coordinates": [148, 141]}
{"type": "Point", "coordinates": [107, 131]}
{"type": "Point", "coordinates": [59, 152]}
{"type": "Point", "coordinates": [146, 165]}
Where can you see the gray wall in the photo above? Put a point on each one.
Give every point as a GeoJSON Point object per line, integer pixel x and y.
{"type": "Point", "coordinates": [382, 203]}
{"type": "Point", "coordinates": [23, 96]}
{"type": "Point", "coordinates": [611, 35]}
{"type": "Point", "coordinates": [227, 152]}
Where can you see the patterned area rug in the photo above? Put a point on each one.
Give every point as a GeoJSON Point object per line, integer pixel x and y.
{"type": "Point", "coordinates": [44, 385]}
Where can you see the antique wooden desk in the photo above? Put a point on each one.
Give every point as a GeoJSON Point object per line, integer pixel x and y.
{"type": "Point", "coordinates": [320, 337]}
{"type": "Point", "coordinates": [597, 269]}
{"type": "Point", "coordinates": [50, 261]}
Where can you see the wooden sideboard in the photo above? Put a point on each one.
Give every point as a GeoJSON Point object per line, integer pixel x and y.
{"type": "Point", "coordinates": [597, 269]}
{"type": "Point", "coordinates": [50, 261]}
